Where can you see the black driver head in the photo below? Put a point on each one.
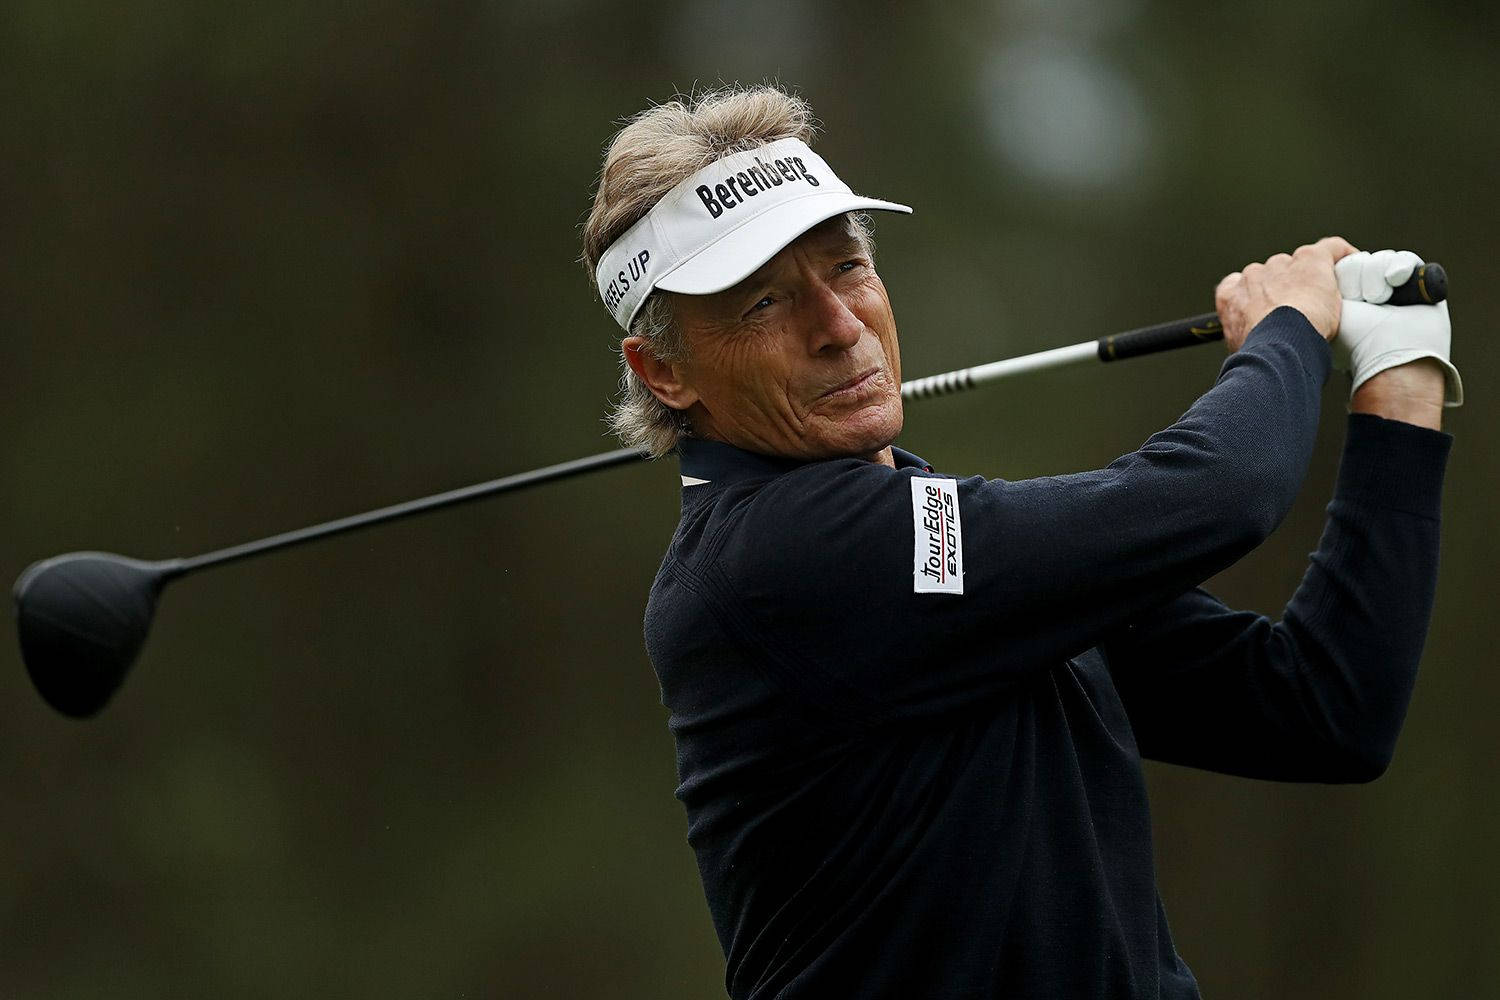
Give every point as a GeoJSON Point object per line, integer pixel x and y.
{"type": "Point", "coordinates": [82, 618]}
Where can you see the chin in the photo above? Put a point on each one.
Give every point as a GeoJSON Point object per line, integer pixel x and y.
{"type": "Point", "coordinates": [866, 431]}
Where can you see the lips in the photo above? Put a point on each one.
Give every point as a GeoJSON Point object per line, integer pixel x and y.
{"type": "Point", "coordinates": [855, 385]}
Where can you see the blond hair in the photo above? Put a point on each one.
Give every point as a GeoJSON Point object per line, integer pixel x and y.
{"type": "Point", "coordinates": [647, 158]}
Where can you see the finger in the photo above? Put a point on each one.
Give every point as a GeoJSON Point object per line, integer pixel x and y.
{"type": "Point", "coordinates": [1398, 272]}
{"type": "Point", "coordinates": [1347, 270]}
{"type": "Point", "coordinates": [1372, 286]}
{"type": "Point", "coordinates": [1224, 295]}
{"type": "Point", "coordinates": [1336, 247]}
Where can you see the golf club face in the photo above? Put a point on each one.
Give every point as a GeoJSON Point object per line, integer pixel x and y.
{"type": "Point", "coordinates": [82, 618]}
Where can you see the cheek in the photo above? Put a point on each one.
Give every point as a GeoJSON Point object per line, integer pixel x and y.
{"type": "Point", "coordinates": [875, 313]}
{"type": "Point", "coordinates": [871, 303]}
{"type": "Point", "coordinates": [748, 364]}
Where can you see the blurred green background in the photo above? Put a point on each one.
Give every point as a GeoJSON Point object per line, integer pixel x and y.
{"type": "Point", "coordinates": [269, 264]}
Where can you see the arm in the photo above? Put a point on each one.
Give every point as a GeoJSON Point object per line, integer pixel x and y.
{"type": "Point", "coordinates": [822, 568]}
{"type": "Point", "coordinates": [1321, 694]}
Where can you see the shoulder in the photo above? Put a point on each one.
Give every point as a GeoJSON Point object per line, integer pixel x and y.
{"type": "Point", "coordinates": [824, 498]}
{"type": "Point", "coordinates": [820, 524]}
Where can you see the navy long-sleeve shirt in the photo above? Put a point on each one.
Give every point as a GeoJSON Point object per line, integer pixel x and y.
{"type": "Point", "coordinates": [910, 711]}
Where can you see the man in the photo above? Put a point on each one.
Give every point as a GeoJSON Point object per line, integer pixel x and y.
{"type": "Point", "coordinates": [909, 709]}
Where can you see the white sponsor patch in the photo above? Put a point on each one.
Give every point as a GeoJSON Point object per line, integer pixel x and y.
{"type": "Point", "coordinates": [938, 556]}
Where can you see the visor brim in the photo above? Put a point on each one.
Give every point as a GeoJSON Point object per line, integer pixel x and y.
{"type": "Point", "coordinates": [735, 256]}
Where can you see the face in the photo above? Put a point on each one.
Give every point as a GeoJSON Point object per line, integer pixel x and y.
{"type": "Point", "coordinates": [800, 359]}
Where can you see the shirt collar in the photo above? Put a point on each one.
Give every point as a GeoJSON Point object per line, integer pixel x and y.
{"type": "Point", "coordinates": [716, 462]}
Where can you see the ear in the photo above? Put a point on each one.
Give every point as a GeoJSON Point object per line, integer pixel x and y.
{"type": "Point", "coordinates": [664, 378]}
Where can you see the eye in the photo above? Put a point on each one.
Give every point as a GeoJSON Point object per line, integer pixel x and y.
{"type": "Point", "coordinates": [849, 265]}
{"type": "Point", "coordinates": [764, 303]}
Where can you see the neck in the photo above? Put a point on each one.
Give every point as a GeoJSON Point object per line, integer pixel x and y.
{"type": "Point", "coordinates": [882, 456]}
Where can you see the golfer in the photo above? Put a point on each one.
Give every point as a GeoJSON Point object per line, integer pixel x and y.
{"type": "Point", "coordinates": [910, 709]}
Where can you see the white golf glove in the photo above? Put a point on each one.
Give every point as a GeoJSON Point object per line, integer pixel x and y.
{"type": "Point", "coordinates": [1373, 337]}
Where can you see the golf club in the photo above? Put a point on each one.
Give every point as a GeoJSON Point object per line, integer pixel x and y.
{"type": "Point", "coordinates": [83, 617]}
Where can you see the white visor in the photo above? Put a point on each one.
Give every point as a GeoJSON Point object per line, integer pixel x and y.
{"type": "Point", "coordinates": [716, 227]}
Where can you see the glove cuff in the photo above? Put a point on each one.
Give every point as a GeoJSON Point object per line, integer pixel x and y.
{"type": "Point", "coordinates": [1453, 395]}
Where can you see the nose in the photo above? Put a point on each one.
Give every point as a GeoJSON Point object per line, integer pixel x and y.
{"type": "Point", "coordinates": [832, 324]}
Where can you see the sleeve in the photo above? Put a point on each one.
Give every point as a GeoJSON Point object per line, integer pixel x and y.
{"type": "Point", "coordinates": [818, 565]}
{"type": "Point", "coordinates": [1321, 694]}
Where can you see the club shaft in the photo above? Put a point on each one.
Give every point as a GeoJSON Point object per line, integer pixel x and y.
{"type": "Point", "coordinates": [1116, 347]}
{"type": "Point", "coordinates": [970, 378]}
{"type": "Point", "coordinates": [465, 494]}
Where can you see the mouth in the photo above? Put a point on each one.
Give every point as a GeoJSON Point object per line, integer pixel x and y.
{"type": "Point", "coordinates": [856, 386]}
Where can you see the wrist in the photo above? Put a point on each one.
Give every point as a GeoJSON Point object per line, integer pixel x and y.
{"type": "Point", "coordinates": [1412, 393]}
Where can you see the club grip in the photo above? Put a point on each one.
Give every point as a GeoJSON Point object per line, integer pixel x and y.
{"type": "Point", "coordinates": [1428, 285]}
{"type": "Point", "coordinates": [1161, 337]}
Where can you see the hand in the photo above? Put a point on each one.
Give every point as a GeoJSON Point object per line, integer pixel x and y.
{"type": "Point", "coordinates": [1303, 280]}
{"type": "Point", "coordinates": [1373, 338]}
